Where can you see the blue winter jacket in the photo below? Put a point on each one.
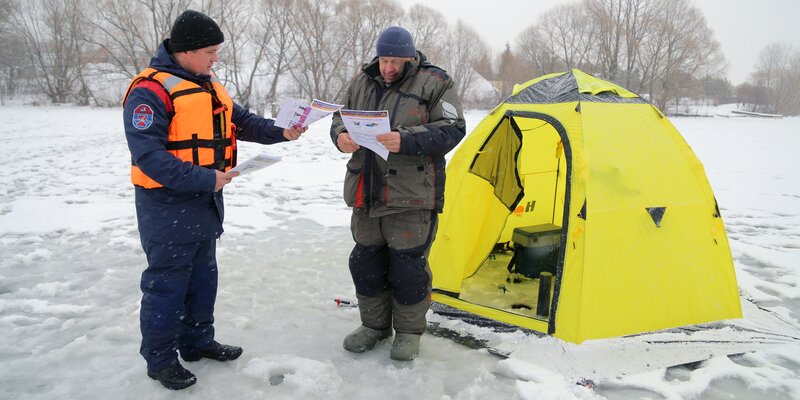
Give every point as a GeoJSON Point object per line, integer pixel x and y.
{"type": "Point", "coordinates": [187, 209]}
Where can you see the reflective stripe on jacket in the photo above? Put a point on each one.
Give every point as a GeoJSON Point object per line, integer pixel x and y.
{"type": "Point", "coordinates": [200, 131]}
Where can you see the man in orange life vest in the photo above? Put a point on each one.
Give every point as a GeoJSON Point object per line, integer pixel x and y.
{"type": "Point", "coordinates": [181, 127]}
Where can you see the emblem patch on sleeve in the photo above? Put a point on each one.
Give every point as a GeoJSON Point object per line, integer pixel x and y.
{"type": "Point", "coordinates": [449, 112]}
{"type": "Point", "coordinates": [142, 116]}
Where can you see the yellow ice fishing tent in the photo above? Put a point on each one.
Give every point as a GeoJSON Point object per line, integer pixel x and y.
{"type": "Point", "coordinates": [576, 209]}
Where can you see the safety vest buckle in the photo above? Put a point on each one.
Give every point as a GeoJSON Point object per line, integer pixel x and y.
{"type": "Point", "coordinates": [220, 109]}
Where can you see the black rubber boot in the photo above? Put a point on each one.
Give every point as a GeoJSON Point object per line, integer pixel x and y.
{"type": "Point", "coordinates": [174, 377]}
{"type": "Point", "coordinates": [219, 352]}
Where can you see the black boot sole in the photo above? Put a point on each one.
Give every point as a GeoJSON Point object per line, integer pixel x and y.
{"type": "Point", "coordinates": [174, 385]}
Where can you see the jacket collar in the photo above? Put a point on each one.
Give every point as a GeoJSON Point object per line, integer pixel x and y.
{"type": "Point", "coordinates": [163, 61]}
{"type": "Point", "coordinates": [373, 71]}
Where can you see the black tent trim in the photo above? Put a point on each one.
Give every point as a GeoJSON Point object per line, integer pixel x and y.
{"type": "Point", "coordinates": [562, 132]}
{"type": "Point", "coordinates": [564, 89]}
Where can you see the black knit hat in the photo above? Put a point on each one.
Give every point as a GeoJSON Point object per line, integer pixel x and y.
{"type": "Point", "coordinates": [193, 30]}
{"type": "Point", "coordinates": [395, 41]}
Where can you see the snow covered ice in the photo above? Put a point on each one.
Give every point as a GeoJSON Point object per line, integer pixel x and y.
{"type": "Point", "coordinates": [71, 262]}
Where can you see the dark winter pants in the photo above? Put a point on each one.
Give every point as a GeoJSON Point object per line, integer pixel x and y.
{"type": "Point", "coordinates": [389, 267]}
{"type": "Point", "coordinates": [179, 288]}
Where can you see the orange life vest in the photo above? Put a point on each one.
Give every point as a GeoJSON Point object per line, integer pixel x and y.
{"type": "Point", "coordinates": [193, 109]}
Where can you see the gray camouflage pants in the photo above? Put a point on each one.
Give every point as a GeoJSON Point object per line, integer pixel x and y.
{"type": "Point", "coordinates": [389, 267]}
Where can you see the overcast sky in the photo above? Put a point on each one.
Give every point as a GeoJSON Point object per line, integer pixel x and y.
{"type": "Point", "coordinates": [742, 27]}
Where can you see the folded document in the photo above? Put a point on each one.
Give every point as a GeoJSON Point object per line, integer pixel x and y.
{"type": "Point", "coordinates": [256, 163]}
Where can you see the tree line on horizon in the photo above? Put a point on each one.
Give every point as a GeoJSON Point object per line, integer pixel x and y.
{"type": "Point", "coordinates": [86, 52]}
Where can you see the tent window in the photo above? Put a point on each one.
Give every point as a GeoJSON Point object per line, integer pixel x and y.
{"type": "Point", "coordinates": [496, 162]}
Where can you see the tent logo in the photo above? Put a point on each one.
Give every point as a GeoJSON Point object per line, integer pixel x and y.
{"type": "Point", "coordinates": [527, 208]}
{"type": "Point", "coordinates": [657, 213]}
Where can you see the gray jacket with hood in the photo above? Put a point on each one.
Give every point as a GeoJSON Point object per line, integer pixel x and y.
{"type": "Point", "coordinates": [424, 107]}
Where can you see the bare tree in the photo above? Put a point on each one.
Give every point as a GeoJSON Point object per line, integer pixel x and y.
{"type": "Point", "coordinates": [777, 71]}
{"type": "Point", "coordinates": [750, 97]}
{"type": "Point", "coordinates": [680, 47]}
{"type": "Point", "coordinates": [241, 56]}
{"type": "Point", "coordinates": [274, 24]}
{"type": "Point", "coordinates": [129, 32]}
{"type": "Point", "coordinates": [466, 48]}
{"type": "Point", "coordinates": [571, 38]}
{"type": "Point", "coordinates": [362, 21]}
{"type": "Point", "coordinates": [162, 14]}
{"type": "Point", "coordinates": [429, 30]}
{"type": "Point", "coordinates": [620, 26]}
{"type": "Point", "coordinates": [662, 48]}
{"type": "Point", "coordinates": [609, 19]}
{"type": "Point", "coordinates": [535, 54]}
{"type": "Point", "coordinates": [52, 31]}
{"type": "Point", "coordinates": [793, 76]}
{"type": "Point", "coordinates": [561, 39]}
{"type": "Point", "coordinates": [640, 15]}
{"type": "Point", "coordinates": [12, 52]}
{"type": "Point", "coordinates": [321, 69]}
{"type": "Point", "coordinates": [511, 70]}
{"type": "Point", "coordinates": [301, 48]}
{"type": "Point", "coordinates": [718, 90]}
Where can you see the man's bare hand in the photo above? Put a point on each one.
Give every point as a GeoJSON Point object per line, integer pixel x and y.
{"type": "Point", "coordinates": [294, 132]}
{"type": "Point", "coordinates": [346, 143]}
{"type": "Point", "coordinates": [390, 140]}
{"type": "Point", "coordinates": [224, 178]}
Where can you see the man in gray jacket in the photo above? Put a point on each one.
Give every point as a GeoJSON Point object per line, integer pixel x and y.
{"type": "Point", "coordinates": [396, 201]}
